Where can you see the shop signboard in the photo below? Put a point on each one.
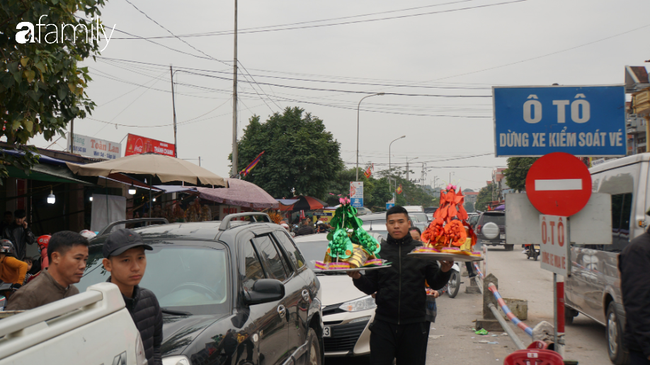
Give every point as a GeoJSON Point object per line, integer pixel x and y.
{"type": "Point", "coordinates": [94, 147]}
{"type": "Point", "coordinates": [138, 144]}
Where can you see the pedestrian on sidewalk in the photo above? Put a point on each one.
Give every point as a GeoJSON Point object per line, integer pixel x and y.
{"type": "Point", "coordinates": [19, 233]}
{"type": "Point", "coordinates": [633, 263]}
{"type": "Point", "coordinates": [124, 258]}
{"type": "Point", "coordinates": [399, 329]}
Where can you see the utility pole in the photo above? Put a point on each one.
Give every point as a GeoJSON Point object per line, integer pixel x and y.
{"type": "Point", "coordinates": [171, 73]}
{"type": "Point", "coordinates": [407, 169]}
{"type": "Point", "coordinates": [233, 173]}
{"type": "Point", "coordinates": [423, 177]}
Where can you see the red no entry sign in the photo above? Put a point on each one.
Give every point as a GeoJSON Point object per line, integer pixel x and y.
{"type": "Point", "coordinates": [558, 184]}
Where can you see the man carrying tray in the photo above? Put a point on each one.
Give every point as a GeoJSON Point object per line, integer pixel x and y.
{"type": "Point", "coordinates": [399, 329]}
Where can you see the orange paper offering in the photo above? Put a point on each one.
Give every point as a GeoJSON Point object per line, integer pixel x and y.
{"type": "Point", "coordinates": [449, 232]}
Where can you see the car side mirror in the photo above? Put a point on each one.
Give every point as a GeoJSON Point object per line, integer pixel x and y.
{"type": "Point", "coordinates": [264, 291]}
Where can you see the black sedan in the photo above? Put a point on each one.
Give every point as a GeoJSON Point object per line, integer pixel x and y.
{"type": "Point", "coordinates": [229, 295]}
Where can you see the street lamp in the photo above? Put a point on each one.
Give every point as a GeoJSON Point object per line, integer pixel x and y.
{"type": "Point", "coordinates": [389, 145]}
{"type": "Point", "coordinates": [391, 142]}
{"type": "Point", "coordinates": [358, 106]}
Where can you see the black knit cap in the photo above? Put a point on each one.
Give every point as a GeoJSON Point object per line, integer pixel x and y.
{"type": "Point", "coordinates": [122, 240]}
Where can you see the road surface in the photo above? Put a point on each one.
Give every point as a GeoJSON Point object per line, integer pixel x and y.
{"type": "Point", "coordinates": [452, 338]}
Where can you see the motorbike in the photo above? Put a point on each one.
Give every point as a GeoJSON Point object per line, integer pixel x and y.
{"type": "Point", "coordinates": [454, 281]}
{"type": "Point", "coordinates": [533, 252]}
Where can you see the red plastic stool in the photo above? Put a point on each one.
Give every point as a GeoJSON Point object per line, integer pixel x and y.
{"type": "Point", "coordinates": [540, 345]}
{"type": "Point", "coordinates": [534, 357]}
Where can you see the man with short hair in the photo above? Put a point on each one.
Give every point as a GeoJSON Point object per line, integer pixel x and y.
{"type": "Point", "coordinates": [124, 258]}
{"type": "Point", "coordinates": [19, 233]}
{"type": "Point", "coordinates": [399, 328]}
{"type": "Point", "coordinates": [67, 252]}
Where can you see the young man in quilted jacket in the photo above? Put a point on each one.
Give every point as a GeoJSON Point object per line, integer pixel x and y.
{"type": "Point", "coordinates": [399, 329]}
{"type": "Point", "coordinates": [124, 258]}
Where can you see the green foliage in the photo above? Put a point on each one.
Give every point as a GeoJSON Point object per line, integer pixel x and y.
{"type": "Point", "coordinates": [41, 87]}
{"type": "Point", "coordinates": [376, 189]}
{"type": "Point", "coordinates": [469, 207]}
{"type": "Point", "coordinates": [300, 155]}
{"type": "Point", "coordinates": [517, 170]}
{"type": "Point", "coordinates": [485, 196]}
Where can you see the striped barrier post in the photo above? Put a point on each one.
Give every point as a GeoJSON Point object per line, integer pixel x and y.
{"type": "Point", "coordinates": [480, 274]}
{"type": "Point", "coordinates": [507, 311]}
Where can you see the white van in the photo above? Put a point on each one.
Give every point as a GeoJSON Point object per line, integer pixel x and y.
{"type": "Point", "coordinates": [593, 288]}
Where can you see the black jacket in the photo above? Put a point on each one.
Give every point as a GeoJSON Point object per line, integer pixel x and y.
{"type": "Point", "coordinates": [633, 263]}
{"type": "Point", "coordinates": [147, 316]}
{"type": "Point", "coordinates": [20, 237]}
{"type": "Point", "coordinates": [400, 289]}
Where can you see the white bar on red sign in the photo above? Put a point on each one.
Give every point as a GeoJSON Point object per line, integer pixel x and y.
{"type": "Point", "coordinates": [558, 184]}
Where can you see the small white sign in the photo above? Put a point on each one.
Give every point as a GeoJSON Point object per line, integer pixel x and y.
{"type": "Point", "coordinates": [95, 147]}
{"type": "Point", "coordinates": [555, 242]}
{"type": "Point", "coordinates": [356, 194]}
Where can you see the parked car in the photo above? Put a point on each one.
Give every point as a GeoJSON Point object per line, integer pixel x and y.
{"type": "Point", "coordinates": [473, 219]}
{"type": "Point", "coordinates": [347, 311]}
{"type": "Point", "coordinates": [230, 292]}
{"type": "Point", "coordinates": [375, 224]}
{"type": "Point", "coordinates": [593, 288]}
{"type": "Point", "coordinates": [497, 217]}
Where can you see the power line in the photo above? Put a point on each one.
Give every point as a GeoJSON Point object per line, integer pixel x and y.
{"type": "Point", "coordinates": [196, 49]}
{"type": "Point", "coordinates": [275, 28]}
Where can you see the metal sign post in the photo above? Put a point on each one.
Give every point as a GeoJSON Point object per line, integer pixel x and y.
{"type": "Point", "coordinates": [554, 249]}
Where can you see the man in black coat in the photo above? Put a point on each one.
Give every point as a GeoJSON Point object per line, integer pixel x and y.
{"type": "Point", "coordinates": [19, 233]}
{"type": "Point", "coordinates": [399, 329]}
{"type": "Point", "coordinates": [124, 258]}
{"type": "Point", "coordinates": [633, 263]}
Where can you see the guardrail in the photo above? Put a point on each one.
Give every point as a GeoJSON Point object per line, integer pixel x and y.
{"type": "Point", "coordinates": [516, 321]}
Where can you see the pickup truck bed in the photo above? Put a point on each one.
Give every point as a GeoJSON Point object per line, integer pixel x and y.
{"type": "Point", "coordinates": [89, 328]}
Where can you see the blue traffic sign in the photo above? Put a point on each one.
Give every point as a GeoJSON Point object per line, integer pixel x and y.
{"type": "Point", "coordinates": [389, 205]}
{"type": "Point", "coordinates": [357, 202]}
{"type": "Point", "coordinates": [580, 120]}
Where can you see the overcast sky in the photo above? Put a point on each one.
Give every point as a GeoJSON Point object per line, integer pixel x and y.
{"type": "Point", "coordinates": [443, 56]}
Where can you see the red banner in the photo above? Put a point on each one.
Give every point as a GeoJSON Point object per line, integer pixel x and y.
{"type": "Point", "coordinates": [137, 144]}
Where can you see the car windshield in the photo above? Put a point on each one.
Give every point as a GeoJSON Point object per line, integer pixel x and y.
{"type": "Point", "coordinates": [418, 217]}
{"type": "Point", "coordinates": [498, 219]}
{"type": "Point", "coordinates": [184, 277]}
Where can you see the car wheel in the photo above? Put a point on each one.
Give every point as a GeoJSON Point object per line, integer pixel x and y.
{"type": "Point", "coordinates": [314, 356]}
{"type": "Point", "coordinates": [509, 247]}
{"type": "Point", "coordinates": [454, 284]}
{"type": "Point", "coordinates": [617, 352]}
{"type": "Point", "coordinates": [569, 315]}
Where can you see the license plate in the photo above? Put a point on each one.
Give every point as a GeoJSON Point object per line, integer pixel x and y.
{"type": "Point", "coordinates": [327, 332]}
{"type": "Point", "coordinates": [503, 236]}
{"type": "Point", "coordinates": [536, 247]}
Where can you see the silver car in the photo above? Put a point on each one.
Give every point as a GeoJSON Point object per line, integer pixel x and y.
{"type": "Point", "coordinates": [347, 311]}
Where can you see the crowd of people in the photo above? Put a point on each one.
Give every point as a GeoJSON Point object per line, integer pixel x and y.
{"type": "Point", "coordinates": [62, 264]}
